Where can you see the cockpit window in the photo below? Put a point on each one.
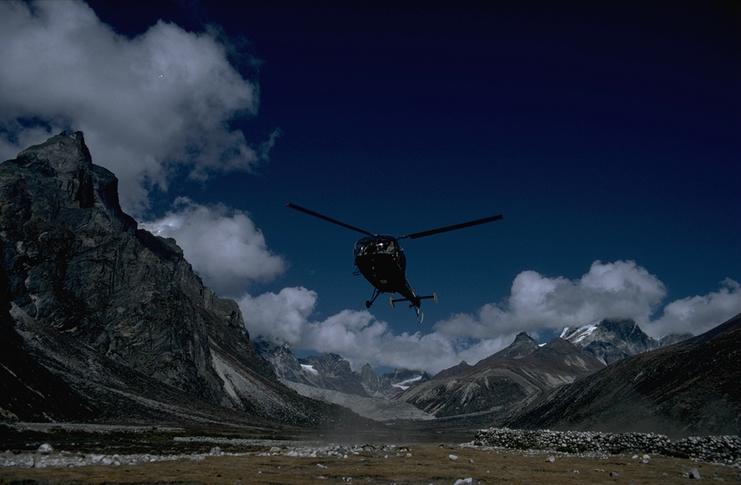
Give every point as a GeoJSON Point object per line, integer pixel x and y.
{"type": "Point", "coordinates": [377, 246]}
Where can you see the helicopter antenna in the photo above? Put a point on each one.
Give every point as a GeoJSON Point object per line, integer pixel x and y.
{"type": "Point", "coordinates": [453, 227]}
{"type": "Point", "coordinates": [328, 219]}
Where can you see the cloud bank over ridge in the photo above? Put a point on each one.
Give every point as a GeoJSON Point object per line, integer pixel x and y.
{"type": "Point", "coordinates": [620, 289]}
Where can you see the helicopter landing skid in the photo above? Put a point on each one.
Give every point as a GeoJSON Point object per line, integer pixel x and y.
{"type": "Point", "coordinates": [368, 303]}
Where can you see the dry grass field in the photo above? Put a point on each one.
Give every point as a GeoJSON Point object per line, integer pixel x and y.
{"type": "Point", "coordinates": [421, 463]}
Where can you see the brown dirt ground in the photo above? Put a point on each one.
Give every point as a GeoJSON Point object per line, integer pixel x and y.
{"type": "Point", "coordinates": [428, 464]}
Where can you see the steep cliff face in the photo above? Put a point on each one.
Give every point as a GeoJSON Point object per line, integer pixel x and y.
{"type": "Point", "coordinates": [112, 310]}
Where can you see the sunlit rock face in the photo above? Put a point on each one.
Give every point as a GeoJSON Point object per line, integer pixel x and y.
{"type": "Point", "coordinates": [115, 315]}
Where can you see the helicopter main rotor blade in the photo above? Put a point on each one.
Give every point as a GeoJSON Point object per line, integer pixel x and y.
{"type": "Point", "coordinates": [453, 227]}
{"type": "Point", "coordinates": [328, 219]}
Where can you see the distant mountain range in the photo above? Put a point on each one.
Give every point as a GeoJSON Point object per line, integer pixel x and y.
{"type": "Point", "coordinates": [509, 387]}
{"type": "Point", "coordinates": [333, 372]}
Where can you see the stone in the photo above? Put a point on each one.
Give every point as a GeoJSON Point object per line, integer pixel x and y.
{"type": "Point", "coordinates": [45, 448]}
{"type": "Point", "coordinates": [694, 474]}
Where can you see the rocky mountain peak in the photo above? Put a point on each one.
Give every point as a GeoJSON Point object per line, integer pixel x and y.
{"type": "Point", "coordinates": [560, 345]}
{"type": "Point", "coordinates": [523, 336]}
{"type": "Point", "coordinates": [610, 339]}
{"type": "Point", "coordinates": [64, 153]}
{"type": "Point", "coordinates": [522, 346]}
{"type": "Point", "coordinates": [116, 314]}
{"type": "Point", "coordinates": [624, 327]}
{"type": "Point", "coordinates": [61, 172]}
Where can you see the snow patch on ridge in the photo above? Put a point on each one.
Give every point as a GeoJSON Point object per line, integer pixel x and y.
{"type": "Point", "coordinates": [310, 369]}
{"type": "Point", "coordinates": [578, 334]}
{"type": "Point", "coordinates": [406, 384]}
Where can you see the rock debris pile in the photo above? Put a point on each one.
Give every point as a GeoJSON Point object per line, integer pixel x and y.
{"type": "Point", "coordinates": [719, 449]}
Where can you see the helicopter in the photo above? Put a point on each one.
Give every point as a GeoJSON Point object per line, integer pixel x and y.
{"type": "Point", "coordinates": [381, 259]}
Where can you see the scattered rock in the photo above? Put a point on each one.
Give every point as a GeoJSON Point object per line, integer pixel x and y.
{"type": "Point", "coordinates": [551, 459]}
{"type": "Point", "coordinates": [694, 474]}
{"type": "Point", "coordinates": [614, 474]}
{"type": "Point", "coordinates": [452, 457]}
{"type": "Point", "coordinates": [321, 466]}
{"type": "Point", "coordinates": [463, 481]}
{"type": "Point", "coordinates": [45, 448]}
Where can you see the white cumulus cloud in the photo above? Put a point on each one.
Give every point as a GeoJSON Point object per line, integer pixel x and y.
{"type": "Point", "coordinates": [537, 303]}
{"type": "Point", "coordinates": [356, 335]}
{"type": "Point", "coordinates": [223, 245]}
{"type": "Point", "coordinates": [620, 289]}
{"type": "Point", "coordinates": [146, 104]}
{"type": "Point", "coordinates": [281, 316]}
{"type": "Point", "coordinates": [698, 314]}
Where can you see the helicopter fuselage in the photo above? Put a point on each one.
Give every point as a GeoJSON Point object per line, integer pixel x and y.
{"type": "Point", "coordinates": [381, 260]}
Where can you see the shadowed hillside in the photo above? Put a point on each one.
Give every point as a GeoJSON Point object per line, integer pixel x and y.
{"type": "Point", "coordinates": [688, 388]}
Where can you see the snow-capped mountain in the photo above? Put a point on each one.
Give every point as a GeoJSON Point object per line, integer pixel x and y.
{"type": "Point", "coordinates": [505, 382]}
{"type": "Point", "coordinates": [610, 340]}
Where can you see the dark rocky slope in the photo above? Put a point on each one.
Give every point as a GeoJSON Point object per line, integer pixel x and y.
{"type": "Point", "coordinates": [504, 383]}
{"type": "Point", "coordinates": [688, 388]}
{"type": "Point", "coordinates": [101, 320]}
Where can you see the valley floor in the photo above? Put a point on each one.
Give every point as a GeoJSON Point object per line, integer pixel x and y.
{"type": "Point", "coordinates": [177, 456]}
{"type": "Point", "coordinates": [425, 463]}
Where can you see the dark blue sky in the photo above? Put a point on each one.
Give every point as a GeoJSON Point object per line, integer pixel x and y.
{"type": "Point", "coordinates": [600, 131]}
